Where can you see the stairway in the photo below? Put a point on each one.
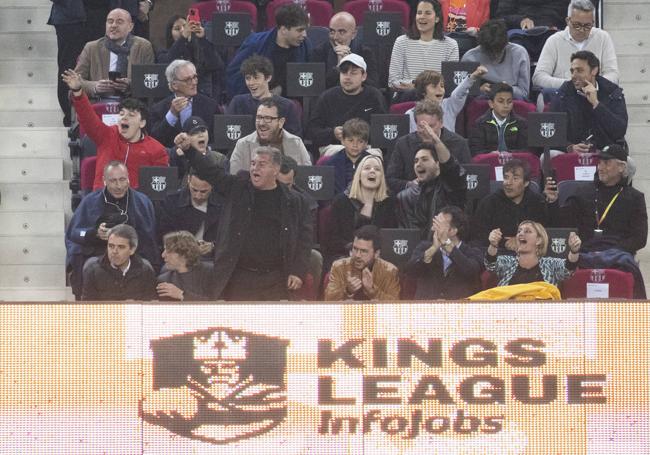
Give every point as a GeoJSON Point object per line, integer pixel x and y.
{"type": "Point", "coordinates": [33, 157]}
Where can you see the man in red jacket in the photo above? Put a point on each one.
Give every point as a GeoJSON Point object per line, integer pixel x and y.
{"type": "Point", "coordinates": [125, 142]}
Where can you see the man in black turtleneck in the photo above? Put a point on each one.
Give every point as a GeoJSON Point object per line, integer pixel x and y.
{"type": "Point", "coordinates": [102, 209]}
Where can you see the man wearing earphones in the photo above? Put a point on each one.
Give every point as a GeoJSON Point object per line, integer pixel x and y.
{"type": "Point", "coordinates": [115, 203]}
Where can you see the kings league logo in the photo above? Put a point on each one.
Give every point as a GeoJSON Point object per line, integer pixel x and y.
{"type": "Point", "coordinates": [390, 132]}
{"type": "Point", "coordinates": [383, 28]}
{"type": "Point", "coordinates": [597, 276]}
{"type": "Point", "coordinates": [218, 385]}
{"type": "Point", "coordinates": [151, 80]}
{"type": "Point", "coordinates": [306, 79]}
{"type": "Point", "coordinates": [558, 245]}
{"type": "Point", "coordinates": [547, 130]}
{"type": "Point", "coordinates": [472, 181]}
{"type": "Point", "coordinates": [400, 246]}
{"type": "Point", "coordinates": [231, 28]}
{"type": "Point", "coordinates": [460, 76]}
{"type": "Point", "coordinates": [315, 182]}
{"type": "Point", "coordinates": [233, 132]}
{"type": "Point", "coordinates": [158, 183]}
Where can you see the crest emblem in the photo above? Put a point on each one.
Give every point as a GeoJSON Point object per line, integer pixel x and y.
{"type": "Point", "coordinates": [151, 80]}
{"type": "Point", "coordinates": [233, 132]}
{"type": "Point", "coordinates": [400, 246]}
{"type": "Point", "coordinates": [547, 130]}
{"type": "Point", "coordinates": [597, 276]}
{"type": "Point", "coordinates": [218, 386]}
{"type": "Point", "coordinates": [306, 79]}
{"type": "Point", "coordinates": [383, 28]}
{"type": "Point", "coordinates": [558, 245]}
{"type": "Point", "coordinates": [504, 157]}
{"type": "Point", "coordinates": [390, 132]}
{"type": "Point", "coordinates": [472, 181]}
{"type": "Point", "coordinates": [159, 183]}
{"type": "Point", "coordinates": [460, 76]}
{"type": "Point", "coordinates": [315, 182]}
{"type": "Point", "coordinates": [231, 28]}
{"type": "Point", "coordinates": [585, 159]}
{"type": "Point", "coordinates": [112, 108]}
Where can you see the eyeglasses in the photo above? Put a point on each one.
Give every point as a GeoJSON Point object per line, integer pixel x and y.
{"type": "Point", "coordinates": [580, 26]}
{"type": "Point", "coordinates": [265, 118]}
{"type": "Point", "coordinates": [187, 80]}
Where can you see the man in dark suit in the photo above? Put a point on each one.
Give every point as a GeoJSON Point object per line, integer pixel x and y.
{"type": "Point", "coordinates": [168, 116]}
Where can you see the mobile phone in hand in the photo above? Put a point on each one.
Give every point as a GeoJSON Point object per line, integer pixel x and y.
{"type": "Point", "coordinates": [114, 75]}
{"type": "Point", "coordinates": [193, 15]}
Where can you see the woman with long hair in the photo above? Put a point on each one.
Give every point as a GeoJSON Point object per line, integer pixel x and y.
{"type": "Point", "coordinates": [366, 202]}
{"type": "Point", "coordinates": [529, 264]}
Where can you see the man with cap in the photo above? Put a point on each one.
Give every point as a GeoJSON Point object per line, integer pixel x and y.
{"type": "Point", "coordinates": [170, 114]}
{"type": "Point", "coordinates": [351, 99]}
{"type": "Point", "coordinates": [197, 134]}
{"type": "Point", "coordinates": [610, 213]}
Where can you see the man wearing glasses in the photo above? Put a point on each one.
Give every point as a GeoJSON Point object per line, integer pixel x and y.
{"type": "Point", "coordinates": [554, 64]}
{"type": "Point", "coordinates": [168, 115]}
{"type": "Point", "coordinates": [269, 131]}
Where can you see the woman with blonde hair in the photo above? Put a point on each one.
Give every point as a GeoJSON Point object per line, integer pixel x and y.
{"type": "Point", "coordinates": [185, 276]}
{"type": "Point", "coordinates": [366, 202]}
{"type": "Point", "coordinates": [530, 265]}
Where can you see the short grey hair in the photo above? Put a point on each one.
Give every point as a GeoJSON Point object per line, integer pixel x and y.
{"type": "Point", "coordinates": [272, 152]}
{"type": "Point", "coordinates": [581, 5]}
{"type": "Point", "coordinates": [126, 232]}
{"type": "Point", "coordinates": [172, 69]}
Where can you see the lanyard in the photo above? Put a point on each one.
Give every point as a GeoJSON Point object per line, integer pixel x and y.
{"type": "Point", "coordinates": [609, 206]}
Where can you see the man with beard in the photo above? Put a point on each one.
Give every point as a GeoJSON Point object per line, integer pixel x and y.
{"type": "Point", "coordinates": [269, 131]}
{"type": "Point", "coordinates": [363, 276]}
{"type": "Point", "coordinates": [125, 142]}
{"type": "Point", "coordinates": [349, 100]}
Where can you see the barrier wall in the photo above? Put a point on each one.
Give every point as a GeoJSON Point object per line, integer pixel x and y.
{"type": "Point", "coordinates": [408, 378]}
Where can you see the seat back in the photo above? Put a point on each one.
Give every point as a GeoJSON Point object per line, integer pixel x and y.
{"type": "Point", "coordinates": [358, 7]}
{"type": "Point", "coordinates": [207, 9]}
{"type": "Point", "coordinates": [599, 283]}
{"type": "Point", "coordinates": [478, 107]}
{"type": "Point", "coordinates": [401, 108]}
{"type": "Point", "coordinates": [107, 111]}
{"type": "Point", "coordinates": [320, 12]}
{"type": "Point", "coordinates": [87, 174]}
{"type": "Point", "coordinates": [496, 160]}
{"type": "Point", "coordinates": [569, 188]}
{"type": "Point", "coordinates": [318, 35]}
{"type": "Point", "coordinates": [575, 166]}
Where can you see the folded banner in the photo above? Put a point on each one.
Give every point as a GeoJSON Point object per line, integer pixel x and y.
{"type": "Point", "coordinates": [399, 379]}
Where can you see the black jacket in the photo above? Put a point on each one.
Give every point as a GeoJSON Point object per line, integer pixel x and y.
{"type": "Point", "coordinates": [325, 53]}
{"type": "Point", "coordinates": [463, 277]}
{"type": "Point", "coordinates": [159, 129]}
{"type": "Point", "coordinates": [550, 13]}
{"type": "Point", "coordinates": [195, 283]}
{"type": "Point", "coordinates": [238, 193]}
{"type": "Point", "coordinates": [400, 164]}
{"type": "Point", "coordinates": [484, 135]}
{"type": "Point", "coordinates": [608, 122]}
{"type": "Point", "coordinates": [102, 282]}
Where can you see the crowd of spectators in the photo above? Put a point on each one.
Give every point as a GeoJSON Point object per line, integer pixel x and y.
{"type": "Point", "coordinates": [239, 228]}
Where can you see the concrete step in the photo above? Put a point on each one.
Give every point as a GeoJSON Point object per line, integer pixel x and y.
{"type": "Point", "coordinates": [626, 15]}
{"type": "Point", "coordinates": [31, 276]}
{"type": "Point", "coordinates": [637, 137]}
{"type": "Point", "coordinates": [32, 119]}
{"type": "Point", "coordinates": [28, 97]}
{"type": "Point", "coordinates": [23, 72]}
{"type": "Point", "coordinates": [25, 19]}
{"type": "Point", "coordinates": [51, 223]}
{"type": "Point", "coordinates": [34, 142]}
{"type": "Point", "coordinates": [637, 93]}
{"type": "Point", "coordinates": [635, 43]}
{"type": "Point", "coordinates": [26, 3]}
{"type": "Point", "coordinates": [36, 294]}
{"type": "Point", "coordinates": [639, 115]}
{"type": "Point", "coordinates": [634, 68]}
{"type": "Point", "coordinates": [28, 45]}
{"type": "Point", "coordinates": [24, 250]}
{"type": "Point", "coordinates": [33, 197]}
{"type": "Point", "coordinates": [31, 170]}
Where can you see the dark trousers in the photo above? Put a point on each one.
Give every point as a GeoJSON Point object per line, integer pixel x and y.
{"type": "Point", "coordinates": [252, 285]}
{"type": "Point", "coordinates": [70, 42]}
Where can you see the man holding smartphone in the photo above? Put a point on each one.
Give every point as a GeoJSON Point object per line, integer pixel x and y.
{"type": "Point", "coordinates": [105, 64]}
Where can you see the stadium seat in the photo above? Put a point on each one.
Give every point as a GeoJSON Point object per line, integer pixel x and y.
{"type": "Point", "coordinates": [207, 9]}
{"type": "Point", "coordinates": [565, 166]}
{"type": "Point", "coordinates": [320, 12]}
{"type": "Point", "coordinates": [478, 107]}
{"type": "Point", "coordinates": [107, 111]}
{"type": "Point", "coordinates": [499, 159]}
{"type": "Point", "coordinates": [568, 188]}
{"type": "Point", "coordinates": [620, 283]}
{"type": "Point", "coordinates": [401, 108]}
{"type": "Point", "coordinates": [318, 35]}
{"type": "Point", "coordinates": [358, 7]}
{"type": "Point", "coordinates": [87, 174]}
{"type": "Point", "coordinates": [308, 291]}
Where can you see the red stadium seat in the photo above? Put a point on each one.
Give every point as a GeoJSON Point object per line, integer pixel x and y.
{"type": "Point", "coordinates": [621, 284]}
{"type": "Point", "coordinates": [107, 111]}
{"type": "Point", "coordinates": [308, 290]}
{"type": "Point", "coordinates": [324, 225]}
{"type": "Point", "coordinates": [401, 108]}
{"type": "Point", "coordinates": [499, 159]}
{"type": "Point", "coordinates": [207, 9]}
{"type": "Point", "coordinates": [87, 174]}
{"type": "Point", "coordinates": [488, 280]}
{"type": "Point", "coordinates": [478, 107]}
{"type": "Point", "coordinates": [358, 7]}
{"type": "Point", "coordinates": [565, 166]}
{"type": "Point", "coordinates": [322, 161]}
{"type": "Point", "coordinates": [320, 12]}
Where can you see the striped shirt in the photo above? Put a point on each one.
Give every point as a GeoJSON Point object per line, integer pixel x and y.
{"type": "Point", "coordinates": [410, 57]}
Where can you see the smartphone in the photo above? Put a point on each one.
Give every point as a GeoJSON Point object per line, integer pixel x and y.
{"type": "Point", "coordinates": [113, 75]}
{"type": "Point", "coordinates": [193, 15]}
